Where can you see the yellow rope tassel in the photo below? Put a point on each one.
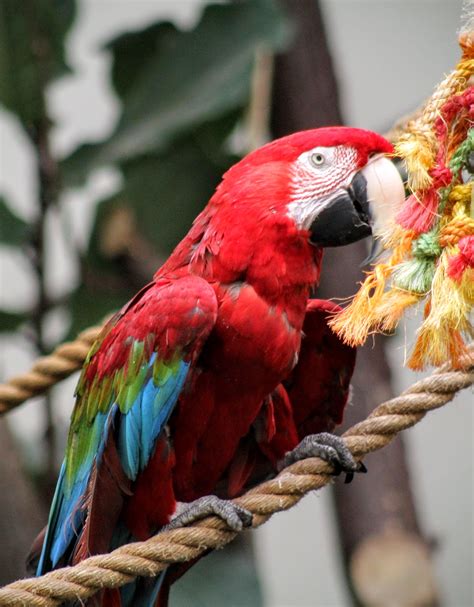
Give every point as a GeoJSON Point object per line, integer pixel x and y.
{"type": "Point", "coordinates": [419, 157]}
{"type": "Point", "coordinates": [433, 244]}
{"type": "Point", "coordinates": [393, 306]}
{"type": "Point", "coordinates": [368, 310]}
{"type": "Point", "coordinates": [440, 337]}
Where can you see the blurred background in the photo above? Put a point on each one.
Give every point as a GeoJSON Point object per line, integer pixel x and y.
{"type": "Point", "coordinates": [117, 119]}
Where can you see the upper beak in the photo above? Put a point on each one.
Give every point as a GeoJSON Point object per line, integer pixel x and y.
{"type": "Point", "coordinates": [368, 205]}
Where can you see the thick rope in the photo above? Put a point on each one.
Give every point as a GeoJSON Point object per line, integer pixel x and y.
{"type": "Point", "coordinates": [152, 556]}
{"type": "Point", "coordinates": [47, 370]}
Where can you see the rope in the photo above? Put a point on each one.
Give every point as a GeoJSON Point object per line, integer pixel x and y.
{"type": "Point", "coordinates": [152, 556]}
{"type": "Point", "coordinates": [47, 370]}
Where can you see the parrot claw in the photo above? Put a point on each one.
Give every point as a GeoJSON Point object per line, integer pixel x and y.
{"type": "Point", "coordinates": [330, 448]}
{"type": "Point", "coordinates": [235, 517]}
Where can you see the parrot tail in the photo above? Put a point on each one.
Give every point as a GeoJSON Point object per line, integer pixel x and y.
{"type": "Point", "coordinates": [143, 592]}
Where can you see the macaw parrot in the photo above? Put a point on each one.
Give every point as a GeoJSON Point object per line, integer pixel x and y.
{"type": "Point", "coordinates": [222, 369]}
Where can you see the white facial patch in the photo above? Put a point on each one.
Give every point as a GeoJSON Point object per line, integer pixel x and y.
{"type": "Point", "coordinates": [318, 176]}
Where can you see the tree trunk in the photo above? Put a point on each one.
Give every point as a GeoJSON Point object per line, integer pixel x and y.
{"type": "Point", "coordinates": [380, 536]}
{"type": "Point", "coordinates": [21, 512]}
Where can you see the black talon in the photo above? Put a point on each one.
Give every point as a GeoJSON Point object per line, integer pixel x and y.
{"type": "Point", "coordinates": [330, 448]}
{"type": "Point", "coordinates": [361, 469]}
{"type": "Point", "coordinates": [336, 464]}
{"type": "Point", "coordinates": [349, 478]}
{"type": "Point", "coordinates": [235, 517]}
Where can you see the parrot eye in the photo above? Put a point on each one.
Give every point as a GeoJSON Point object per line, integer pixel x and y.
{"type": "Point", "coordinates": [317, 159]}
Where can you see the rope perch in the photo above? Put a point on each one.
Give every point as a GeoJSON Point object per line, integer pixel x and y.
{"type": "Point", "coordinates": [152, 556]}
{"type": "Point", "coordinates": [47, 370]}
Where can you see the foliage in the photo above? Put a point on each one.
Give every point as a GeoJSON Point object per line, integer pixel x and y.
{"type": "Point", "coordinates": [32, 35]}
{"type": "Point", "coordinates": [13, 232]}
{"type": "Point", "coordinates": [13, 229]}
{"type": "Point", "coordinates": [170, 81]}
{"type": "Point", "coordinates": [9, 321]}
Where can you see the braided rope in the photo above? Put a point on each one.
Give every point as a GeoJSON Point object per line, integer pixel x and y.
{"type": "Point", "coordinates": [47, 370]}
{"type": "Point", "coordinates": [152, 556]}
{"type": "Point", "coordinates": [432, 239]}
{"type": "Point", "coordinates": [458, 79]}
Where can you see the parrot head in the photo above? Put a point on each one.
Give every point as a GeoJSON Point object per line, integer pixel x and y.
{"type": "Point", "coordinates": [335, 183]}
{"type": "Point", "coordinates": [276, 209]}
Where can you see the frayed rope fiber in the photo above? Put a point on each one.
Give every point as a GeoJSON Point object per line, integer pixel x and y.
{"type": "Point", "coordinates": [152, 556]}
{"type": "Point", "coordinates": [432, 242]}
{"type": "Point", "coordinates": [48, 370]}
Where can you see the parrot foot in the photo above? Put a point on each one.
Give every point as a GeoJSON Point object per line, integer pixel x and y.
{"type": "Point", "coordinates": [330, 448]}
{"type": "Point", "coordinates": [235, 517]}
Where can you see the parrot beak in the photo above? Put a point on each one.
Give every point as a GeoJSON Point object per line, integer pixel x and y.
{"type": "Point", "coordinates": [367, 206]}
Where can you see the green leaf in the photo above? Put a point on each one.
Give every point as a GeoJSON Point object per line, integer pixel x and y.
{"type": "Point", "coordinates": [133, 51]}
{"type": "Point", "coordinates": [13, 230]}
{"type": "Point", "coordinates": [167, 191]}
{"type": "Point", "coordinates": [9, 321]}
{"type": "Point", "coordinates": [172, 81]}
{"type": "Point", "coordinates": [32, 36]}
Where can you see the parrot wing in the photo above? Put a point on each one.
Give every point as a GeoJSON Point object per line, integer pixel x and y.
{"type": "Point", "coordinates": [128, 388]}
{"type": "Point", "coordinates": [319, 385]}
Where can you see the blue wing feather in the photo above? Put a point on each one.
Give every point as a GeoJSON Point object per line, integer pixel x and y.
{"type": "Point", "coordinates": [66, 517]}
{"type": "Point", "coordinates": [140, 427]}
{"type": "Point", "coordinates": [137, 434]}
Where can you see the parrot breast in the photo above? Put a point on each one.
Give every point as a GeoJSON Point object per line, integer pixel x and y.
{"type": "Point", "coordinates": [252, 347]}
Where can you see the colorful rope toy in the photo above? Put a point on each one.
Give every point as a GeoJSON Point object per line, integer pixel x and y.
{"type": "Point", "coordinates": [432, 243]}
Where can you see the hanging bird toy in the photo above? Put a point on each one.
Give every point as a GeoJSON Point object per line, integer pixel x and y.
{"type": "Point", "coordinates": [432, 240]}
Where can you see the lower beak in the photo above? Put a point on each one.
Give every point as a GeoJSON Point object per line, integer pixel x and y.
{"type": "Point", "coordinates": [367, 206]}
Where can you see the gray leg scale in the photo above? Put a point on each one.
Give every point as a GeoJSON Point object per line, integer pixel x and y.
{"type": "Point", "coordinates": [235, 517]}
{"type": "Point", "coordinates": [330, 448]}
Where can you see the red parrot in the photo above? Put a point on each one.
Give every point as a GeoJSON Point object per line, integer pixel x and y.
{"type": "Point", "coordinates": [222, 369]}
